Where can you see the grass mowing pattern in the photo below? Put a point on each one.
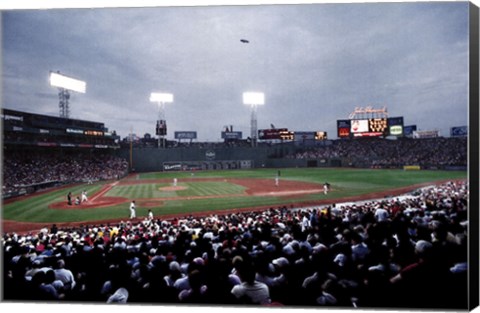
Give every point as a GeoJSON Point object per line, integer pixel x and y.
{"type": "Point", "coordinates": [36, 208]}
{"type": "Point", "coordinates": [193, 189]}
{"type": "Point", "coordinates": [345, 182]}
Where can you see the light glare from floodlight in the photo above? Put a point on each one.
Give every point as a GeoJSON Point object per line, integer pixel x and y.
{"type": "Point", "coordinates": [256, 98]}
{"type": "Point", "coordinates": [161, 97]}
{"type": "Point", "coordinates": [61, 81]}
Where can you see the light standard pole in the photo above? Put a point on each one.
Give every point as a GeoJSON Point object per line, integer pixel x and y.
{"type": "Point", "coordinates": [253, 99]}
{"type": "Point", "coordinates": [161, 99]}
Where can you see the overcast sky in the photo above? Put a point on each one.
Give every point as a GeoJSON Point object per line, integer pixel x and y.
{"type": "Point", "coordinates": [314, 62]}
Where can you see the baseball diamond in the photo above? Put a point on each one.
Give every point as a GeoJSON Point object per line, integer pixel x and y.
{"type": "Point", "coordinates": [211, 191]}
{"type": "Point", "coordinates": [242, 156]}
{"type": "Point", "coordinates": [208, 202]}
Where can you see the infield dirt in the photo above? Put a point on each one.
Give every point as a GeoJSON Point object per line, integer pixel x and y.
{"type": "Point", "coordinates": [254, 187]}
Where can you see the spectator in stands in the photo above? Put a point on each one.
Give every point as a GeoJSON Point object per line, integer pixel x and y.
{"type": "Point", "coordinates": [64, 275]}
{"type": "Point", "coordinates": [250, 291]}
{"type": "Point", "coordinates": [23, 170]}
{"type": "Point", "coordinates": [345, 258]}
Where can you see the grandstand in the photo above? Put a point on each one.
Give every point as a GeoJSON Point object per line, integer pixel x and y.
{"type": "Point", "coordinates": [41, 151]}
{"type": "Point", "coordinates": [315, 253]}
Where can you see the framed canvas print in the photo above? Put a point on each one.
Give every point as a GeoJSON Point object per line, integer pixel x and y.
{"type": "Point", "coordinates": [216, 156]}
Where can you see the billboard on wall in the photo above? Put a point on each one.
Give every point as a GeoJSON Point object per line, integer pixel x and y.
{"type": "Point", "coordinates": [301, 136]}
{"type": "Point", "coordinates": [161, 129]}
{"type": "Point", "coordinates": [232, 135]}
{"type": "Point", "coordinates": [461, 131]}
{"type": "Point", "coordinates": [395, 126]}
{"type": "Point", "coordinates": [395, 130]}
{"type": "Point", "coordinates": [425, 134]}
{"type": "Point", "coordinates": [273, 133]}
{"type": "Point", "coordinates": [408, 130]}
{"type": "Point", "coordinates": [185, 135]}
{"type": "Point", "coordinates": [343, 128]}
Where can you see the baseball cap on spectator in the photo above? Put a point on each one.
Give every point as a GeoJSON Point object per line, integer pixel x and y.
{"type": "Point", "coordinates": [423, 247]}
{"type": "Point", "coordinates": [208, 235]}
{"type": "Point", "coordinates": [340, 259]}
{"type": "Point", "coordinates": [288, 250]}
{"type": "Point", "coordinates": [281, 262]}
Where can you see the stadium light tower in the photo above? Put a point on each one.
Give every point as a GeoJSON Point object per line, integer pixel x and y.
{"type": "Point", "coordinates": [161, 99]}
{"type": "Point", "coordinates": [253, 99]}
{"type": "Point", "coordinates": [66, 84]}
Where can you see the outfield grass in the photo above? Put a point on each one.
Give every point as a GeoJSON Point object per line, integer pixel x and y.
{"type": "Point", "coordinates": [345, 182]}
{"type": "Point", "coordinates": [192, 189]}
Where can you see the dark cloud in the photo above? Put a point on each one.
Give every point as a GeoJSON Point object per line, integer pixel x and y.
{"type": "Point", "coordinates": [315, 63]}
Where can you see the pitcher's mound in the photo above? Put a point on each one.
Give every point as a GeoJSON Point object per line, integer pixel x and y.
{"type": "Point", "coordinates": [172, 188]}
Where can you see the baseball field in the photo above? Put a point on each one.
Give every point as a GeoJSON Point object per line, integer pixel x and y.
{"type": "Point", "coordinates": [206, 192]}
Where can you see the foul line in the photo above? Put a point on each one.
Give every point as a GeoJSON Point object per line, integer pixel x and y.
{"type": "Point", "coordinates": [102, 192]}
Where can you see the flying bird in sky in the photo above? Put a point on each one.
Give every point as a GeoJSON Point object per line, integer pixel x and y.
{"type": "Point", "coordinates": [244, 40]}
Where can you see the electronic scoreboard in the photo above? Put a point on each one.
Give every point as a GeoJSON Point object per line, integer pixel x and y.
{"type": "Point", "coordinates": [370, 127]}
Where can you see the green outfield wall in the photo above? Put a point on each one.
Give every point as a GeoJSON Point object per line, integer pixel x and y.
{"type": "Point", "coordinates": [161, 159]}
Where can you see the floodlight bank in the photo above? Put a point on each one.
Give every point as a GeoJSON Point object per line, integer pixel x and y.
{"type": "Point", "coordinates": [61, 81]}
{"type": "Point", "coordinates": [161, 97]}
{"type": "Point", "coordinates": [256, 98]}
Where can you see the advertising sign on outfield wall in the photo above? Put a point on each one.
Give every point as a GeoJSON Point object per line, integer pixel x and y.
{"type": "Point", "coordinates": [210, 155]}
{"type": "Point", "coordinates": [172, 166]}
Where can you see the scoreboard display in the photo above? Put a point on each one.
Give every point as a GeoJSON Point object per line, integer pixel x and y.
{"type": "Point", "coordinates": [370, 127]}
{"type": "Point", "coordinates": [285, 134]}
{"type": "Point", "coordinates": [274, 133]}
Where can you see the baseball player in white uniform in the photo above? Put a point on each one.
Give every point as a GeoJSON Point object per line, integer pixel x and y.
{"type": "Point", "coordinates": [133, 214]}
{"type": "Point", "coordinates": [84, 196]}
{"type": "Point", "coordinates": [325, 188]}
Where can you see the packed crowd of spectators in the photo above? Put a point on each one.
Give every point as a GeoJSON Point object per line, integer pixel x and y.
{"type": "Point", "coordinates": [404, 252]}
{"type": "Point", "coordinates": [20, 170]}
{"type": "Point", "coordinates": [394, 153]}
